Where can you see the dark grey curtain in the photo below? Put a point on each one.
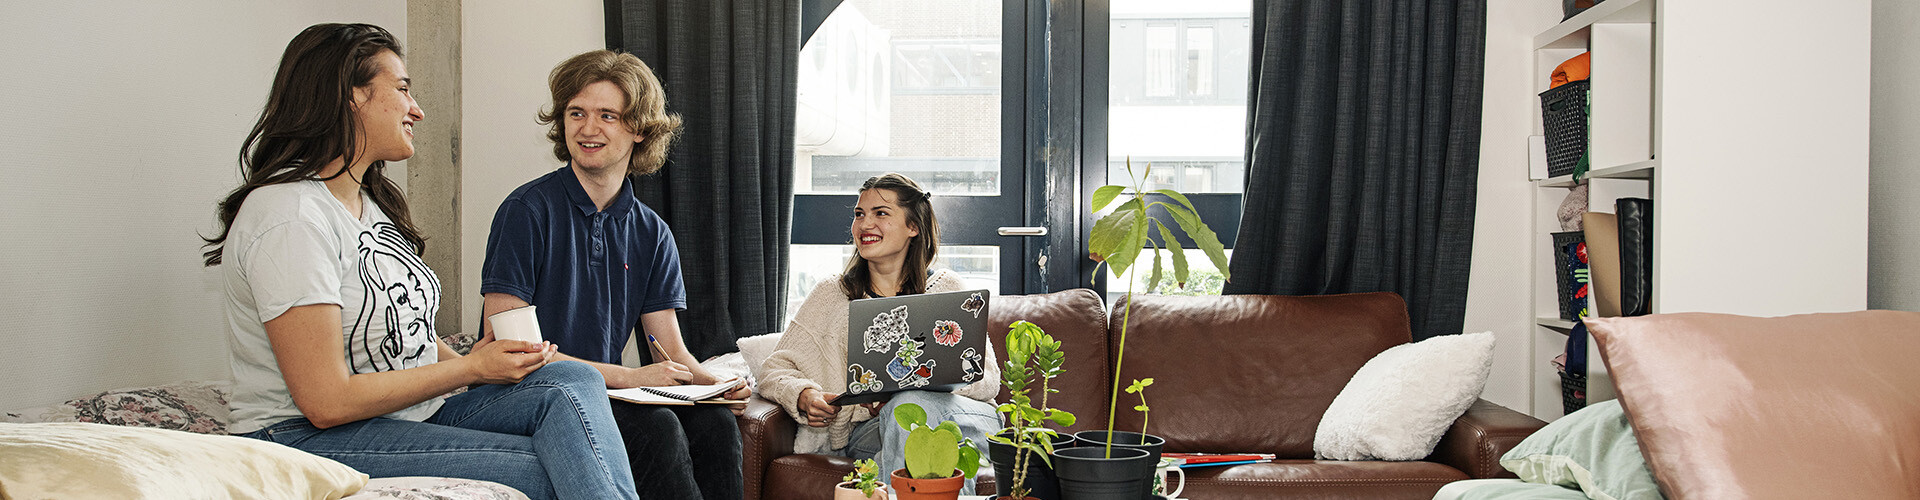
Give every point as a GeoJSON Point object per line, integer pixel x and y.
{"type": "Point", "coordinates": [1363, 147]}
{"type": "Point", "coordinates": [727, 189]}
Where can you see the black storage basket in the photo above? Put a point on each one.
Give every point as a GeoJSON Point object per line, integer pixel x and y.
{"type": "Point", "coordinates": [1570, 274]}
{"type": "Point", "coordinates": [1573, 391]}
{"type": "Point", "coordinates": [1563, 111]}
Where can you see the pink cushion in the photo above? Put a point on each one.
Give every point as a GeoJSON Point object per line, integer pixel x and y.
{"type": "Point", "coordinates": [1807, 406]}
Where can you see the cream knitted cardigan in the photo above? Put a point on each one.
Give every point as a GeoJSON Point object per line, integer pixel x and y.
{"type": "Point", "coordinates": [812, 354]}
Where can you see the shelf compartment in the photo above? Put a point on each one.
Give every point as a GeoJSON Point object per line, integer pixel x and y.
{"type": "Point", "coordinates": [1572, 33]}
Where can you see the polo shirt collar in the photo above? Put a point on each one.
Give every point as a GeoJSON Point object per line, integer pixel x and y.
{"type": "Point", "coordinates": [622, 202]}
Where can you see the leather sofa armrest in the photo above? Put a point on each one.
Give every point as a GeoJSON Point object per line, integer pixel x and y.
{"type": "Point", "coordinates": [1475, 441]}
{"type": "Point", "coordinates": [766, 433]}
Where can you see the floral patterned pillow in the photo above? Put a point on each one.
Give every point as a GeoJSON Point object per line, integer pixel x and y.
{"type": "Point", "coordinates": [186, 406]}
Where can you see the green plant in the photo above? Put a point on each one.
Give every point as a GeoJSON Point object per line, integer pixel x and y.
{"type": "Point", "coordinates": [1028, 345]}
{"type": "Point", "coordinates": [865, 475]}
{"type": "Point", "coordinates": [1139, 386]}
{"type": "Point", "coordinates": [1118, 238]}
{"type": "Point", "coordinates": [933, 452]}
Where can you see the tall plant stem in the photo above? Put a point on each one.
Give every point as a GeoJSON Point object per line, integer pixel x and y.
{"type": "Point", "coordinates": [1126, 319]}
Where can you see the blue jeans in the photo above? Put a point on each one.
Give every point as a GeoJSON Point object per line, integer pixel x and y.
{"type": "Point", "coordinates": [882, 439]}
{"type": "Point", "coordinates": [550, 436]}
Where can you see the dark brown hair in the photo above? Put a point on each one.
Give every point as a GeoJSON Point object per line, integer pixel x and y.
{"type": "Point", "coordinates": [309, 121]}
{"type": "Point", "coordinates": [918, 205]}
{"type": "Point", "coordinates": [645, 113]}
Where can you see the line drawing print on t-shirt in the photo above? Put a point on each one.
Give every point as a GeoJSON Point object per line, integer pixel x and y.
{"type": "Point", "coordinates": [403, 292]}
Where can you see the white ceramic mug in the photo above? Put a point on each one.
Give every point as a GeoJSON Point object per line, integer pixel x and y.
{"type": "Point", "coordinates": [518, 323]}
{"type": "Point", "coordinates": [1160, 479]}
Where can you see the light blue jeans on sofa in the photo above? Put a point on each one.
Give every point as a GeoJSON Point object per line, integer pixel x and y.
{"type": "Point", "coordinates": [550, 436]}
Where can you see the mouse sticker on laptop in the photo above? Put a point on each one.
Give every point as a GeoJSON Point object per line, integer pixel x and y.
{"type": "Point", "coordinates": [887, 328]}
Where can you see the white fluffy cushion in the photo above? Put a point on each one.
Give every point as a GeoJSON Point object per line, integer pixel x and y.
{"type": "Point", "coordinates": [80, 460]}
{"type": "Point", "coordinates": [1398, 405]}
{"type": "Point", "coordinates": [756, 350]}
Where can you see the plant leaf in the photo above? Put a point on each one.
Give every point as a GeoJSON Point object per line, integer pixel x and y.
{"type": "Point", "coordinates": [1105, 195]}
{"type": "Point", "coordinates": [1110, 232]}
{"type": "Point", "coordinates": [1179, 198]}
{"type": "Point", "coordinates": [1153, 280]}
{"type": "Point", "coordinates": [969, 463]}
{"type": "Point", "coordinates": [909, 414]}
{"type": "Point", "coordinates": [1124, 255]}
{"type": "Point", "coordinates": [1179, 256]}
{"type": "Point", "coordinates": [1205, 238]}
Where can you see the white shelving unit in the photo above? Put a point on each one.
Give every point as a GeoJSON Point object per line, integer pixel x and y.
{"type": "Point", "coordinates": [1746, 123]}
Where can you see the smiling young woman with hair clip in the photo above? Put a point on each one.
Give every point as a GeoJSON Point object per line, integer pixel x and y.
{"type": "Point", "coordinates": [330, 308]}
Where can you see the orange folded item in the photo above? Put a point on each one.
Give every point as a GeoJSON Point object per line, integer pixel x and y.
{"type": "Point", "coordinates": [1573, 70]}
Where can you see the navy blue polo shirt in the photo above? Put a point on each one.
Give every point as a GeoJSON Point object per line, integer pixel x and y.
{"type": "Point", "coordinates": [592, 273]}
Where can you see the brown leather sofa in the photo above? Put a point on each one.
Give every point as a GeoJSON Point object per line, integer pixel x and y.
{"type": "Point", "coordinates": [1237, 373]}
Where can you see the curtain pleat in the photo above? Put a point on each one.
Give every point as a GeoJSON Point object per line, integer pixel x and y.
{"type": "Point", "coordinates": [727, 189]}
{"type": "Point", "coordinates": [1363, 152]}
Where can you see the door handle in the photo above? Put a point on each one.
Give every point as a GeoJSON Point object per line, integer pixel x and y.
{"type": "Point", "coordinates": [1023, 231]}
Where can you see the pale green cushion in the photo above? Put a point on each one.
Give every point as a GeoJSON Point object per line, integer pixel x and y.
{"type": "Point", "coordinates": [1505, 489]}
{"type": "Point", "coordinates": [1592, 449]}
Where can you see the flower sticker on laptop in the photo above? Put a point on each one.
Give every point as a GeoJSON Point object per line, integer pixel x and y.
{"type": "Point", "coordinates": [946, 333]}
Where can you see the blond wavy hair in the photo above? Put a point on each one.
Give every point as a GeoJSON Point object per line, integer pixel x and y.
{"type": "Point", "coordinates": [645, 114]}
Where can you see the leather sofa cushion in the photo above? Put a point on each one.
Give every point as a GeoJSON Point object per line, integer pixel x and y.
{"type": "Point", "coordinates": [1078, 319]}
{"type": "Point", "coordinates": [1260, 373]}
{"type": "Point", "coordinates": [1806, 406]}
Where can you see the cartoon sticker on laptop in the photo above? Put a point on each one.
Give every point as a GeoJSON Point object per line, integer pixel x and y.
{"type": "Point", "coordinates": [906, 368]}
{"type": "Point", "coordinates": [970, 363]}
{"type": "Point", "coordinates": [974, 304]}
{"type": "Point", "coordinates": [862, 380]}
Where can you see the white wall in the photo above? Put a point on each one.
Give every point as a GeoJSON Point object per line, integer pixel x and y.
{"type": "Point", "coordinates": [122, 123]}
{"type": "Point", "coordinates": [507, 48]}
{"type": "Point", "coordinates": [1894, 155]}
{"type": "Point", "coordinates": [1499, 289]}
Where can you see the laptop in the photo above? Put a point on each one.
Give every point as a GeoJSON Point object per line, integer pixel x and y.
{"type": "Point", "coordinates": [929, 342]}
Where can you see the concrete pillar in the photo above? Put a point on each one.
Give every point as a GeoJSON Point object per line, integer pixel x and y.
{"type": "Point", "coordinates": [433, 174]}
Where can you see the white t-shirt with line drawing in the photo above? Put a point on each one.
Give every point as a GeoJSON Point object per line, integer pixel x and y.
{"type": "Point", "coordinates": [293, 245]}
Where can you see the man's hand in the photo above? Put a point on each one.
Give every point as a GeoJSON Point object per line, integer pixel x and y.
{"type": "Point", "coordinates": [660, 374]}
{"type": "Point", "coordinates": [814, 404]}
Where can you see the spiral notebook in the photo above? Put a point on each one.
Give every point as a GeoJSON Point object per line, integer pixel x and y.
{"type": "Point", "coordinates": [678, 394]}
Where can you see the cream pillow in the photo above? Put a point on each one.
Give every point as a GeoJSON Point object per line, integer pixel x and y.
{"type": "Point", "coordinates": [82, 460]}
{"type": "Point", "coordinates": [756, 350]}
{"type": "Point", "coordinates": [1400, 403]}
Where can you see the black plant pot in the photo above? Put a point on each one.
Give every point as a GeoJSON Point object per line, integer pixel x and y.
{"type": "Point", "coordinates": [1125, 439]}
{"type": "Point", "coordinates": [1041, 481]}
{"type": "Point", "coordinates": [1087, 474]}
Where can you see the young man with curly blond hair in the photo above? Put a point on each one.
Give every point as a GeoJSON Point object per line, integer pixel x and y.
{"type": "Point", "coordinates": [599, 265]}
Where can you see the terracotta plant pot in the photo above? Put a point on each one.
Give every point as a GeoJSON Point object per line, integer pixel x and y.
{"type": "Point", "coordinates": [847, 491]}
{"type": "Point", "coordinates": [908, 488]}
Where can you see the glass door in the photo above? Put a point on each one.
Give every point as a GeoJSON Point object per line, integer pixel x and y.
{"type": "Point", "coordinates": [918, 87]}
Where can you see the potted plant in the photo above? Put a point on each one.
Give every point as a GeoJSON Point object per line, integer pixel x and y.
{"type": "Point", "coordinates": [861, 484]}
{"type": "Point", "coordinates": [1117, 240]}
{"type": "Point", "coordinates": [1123, 467]}
{"type": "Point", "coordinates": [938, 458]}
{"type": "Point", "coordinates": [1013, 450]}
